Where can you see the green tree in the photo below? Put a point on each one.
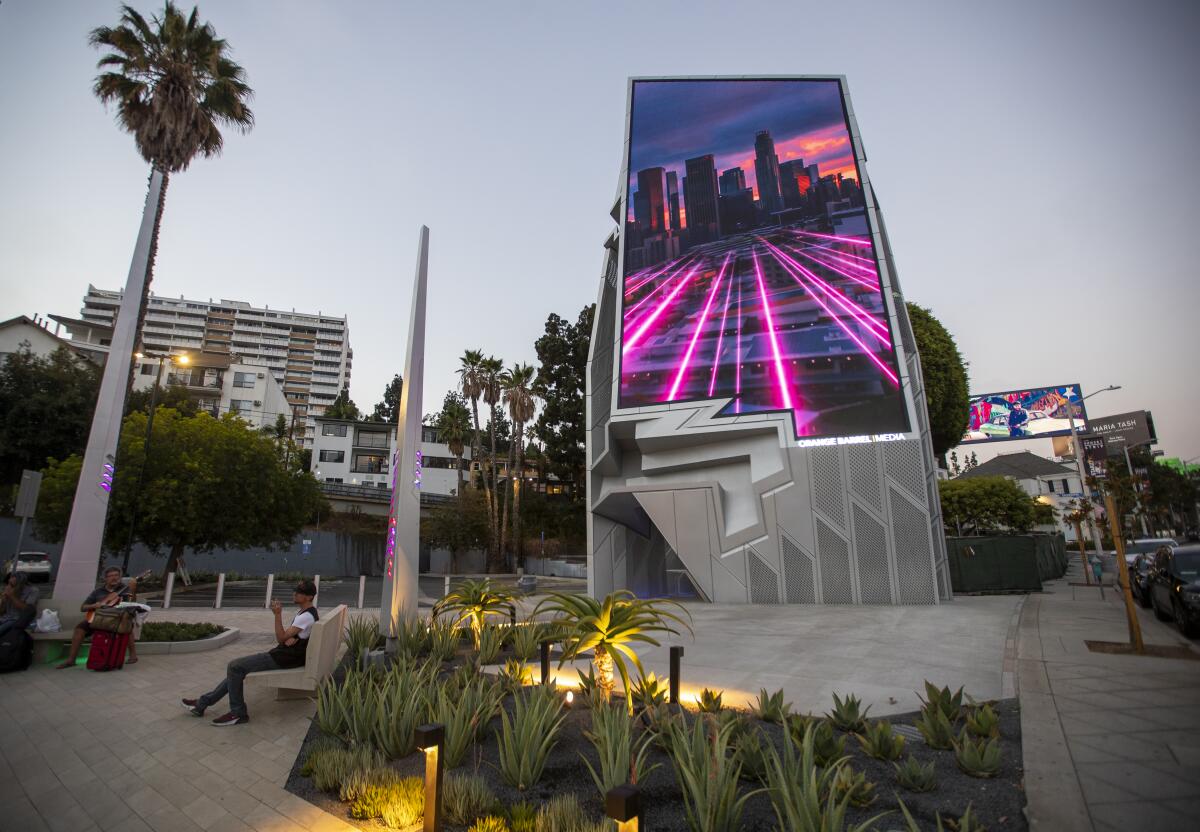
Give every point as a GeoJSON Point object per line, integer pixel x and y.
{"type": "Point", "coordinates": [46, 407]}
{"type": "Point", "coordinates": [388, 410]}
{"type": "Point", "coordinates": [174, 396]}
{"type": "Point", "coordinates": [459, 526]}
{"type": "Point", "coordinates": [561, 385]}
{"type": "Point", "coordinates": [491, 371]}
{"type": "Point", "coordinates": [343, 408]}
{"type": "Point", "coordinates": [980, 505]}
{"type": "Point", "coordinates": [945, 376]}
{"type": "Point", "coordinates": [453, 424]}
{"type": "Point", "coordinates": [520, 401]}
{"type": "Point", "coordinates": [209, 483]}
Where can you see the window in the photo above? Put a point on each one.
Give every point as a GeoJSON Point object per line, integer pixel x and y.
{"type": "Point", "coordinates": [1066, 487]}
{"type": "Point", "coordinates": [333, 456]}
{"type": "Point", "coordinates": [372, 439]}
{"type": "Point", "coordinates": [333, 479]}
{"type": "Point", "coordinates": [239, 405]}
{"type": "Point", "coordinates": [333, 430]}
{"type": "Point", "coordinates": [370, 464]}
{"type": "Point", "coordinates": [147, 369]}
{"type": "Point", "coordinates": [1051, 484]}
{"type": "Point", "coordinates": [243, 379]}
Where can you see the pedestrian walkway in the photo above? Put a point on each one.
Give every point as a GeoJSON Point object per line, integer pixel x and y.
{"type": "Point", "coordinates": [1111, 742]}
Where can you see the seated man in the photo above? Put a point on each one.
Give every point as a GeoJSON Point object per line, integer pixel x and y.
{"type": "Point", "coordinates": [113, 591]}
{"type": "Point", "coordinates": [289, 652]}
{"type": "Point", "coordinates": [18, 603]}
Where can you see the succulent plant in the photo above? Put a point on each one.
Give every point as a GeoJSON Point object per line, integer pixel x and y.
{"type": "Point", "coordinates": [514, 675]}
{"type": "Point", "coordinates": [750, 750]}
{"type": "Point", "coordinates": [827, 746]}
{"type": "Point", "coordinates": [915, 776]}
{"type": "Point", "coordinates": [977, 757]}
{"type": "Point", "coordinates": [466, 797]}
{"type": "Point", "coordinates": [936, 729]}
{"type": "Point", "coordinates": [798, 724]}
{"type": "Point", "coordinates": [943, 700]}
{"type": "Point", "coordinates": [770, 707]}
{"type": "Point", "coordinates": [524, 639]}
{"type": "Point", "coordinates": [622, 756]}
{"type": "Point", "coordinates": [848, 714]}
{"type": "Point", "coordinates": [706, 774]}
{"type": "Point", "coordinates": [878, 740]}
{"type": "Point", "coordinates": [648, 691]}
{"type": "Point", "coordinates": [490, 823]}
{"type": "Point", "coordinates": [709, 701]}
{"type": "Point", "coordinates": [527, 739]}
{"type": "Point", "coordinates": [853, 787]}
{"type": "Point", "coordinates": [522, 817]}
{"type": "Point", "coordinates": [967, 823]}
{"type": "Point", "coordinates": [491, 639]}
{"type": "Point", "coordinates": [983, 722]}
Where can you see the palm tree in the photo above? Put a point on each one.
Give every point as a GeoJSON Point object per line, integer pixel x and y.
{"type": "Point", "coordinates": [474, 601]}
{"type": "Point", "coordinates": [490, 372]}
{"type": "Point", "coordinates": [519, 398]}
{"type": "Point", "coordinates": [470, 377]}
{"type": "Point", "coordinates": [453, 427]}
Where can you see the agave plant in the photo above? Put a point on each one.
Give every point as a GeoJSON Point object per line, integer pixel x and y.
{"type": "Point", "coordinates": [827, 745]}
{"type": "Point", "coordinates": [943, 700]}
{"type": "Point", "coordinates": [983, 722]}
{"type": "Point", "coordinates": [524, 639]}
{"type": "Point", "coordinates": [977, 757]}
{"type": "Point", "coordinates": [750, 749]}
{"type": "Point", "coordinates": [709, 701]}
{"type": "Point", "coordinates": [490, 823]}
{"type": "Point", "coordinates": [514, 675]}
{"type": "Point", "coordinates": [853, 786]}
{"type": "Point", "coordinates": [622, 758]}
{"type": "Point", "coordinates": [966, 823]}
{"type": "Point", "coordinates": [770, 707]}
{"type": "Point", "coordinates": [362, 633]}
{"type": "Point", "coordinates": [649, 691]}
{"type": "Point", "coordinates": [472, 602]}
{"type": "Point", "coordinates": [527, 739]}
{"type": "Point", "coordinates": [848, 714]}
{"type": "Point", "coordinates": [707, 775]}
{"type": "Point", "coordinates": [489, 641]}
{"type": "Point", "coordinates": [442, 640]}
{"type": "Point", "coordinates": [611, 629]}
{"type": "Point", "coordinates": [914, 776]}
{"type": "Point", "coordinates": [880, 741]}
{"type": "Point", "coordinates": [936, 728]}
{"type": "Point", "coordinates": [522, 817]}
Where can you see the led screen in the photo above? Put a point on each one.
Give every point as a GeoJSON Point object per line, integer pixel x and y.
{"type": "Point", "coordinates": [1025, 414]}
{"type": "Point", "coordinates": [750, 272]}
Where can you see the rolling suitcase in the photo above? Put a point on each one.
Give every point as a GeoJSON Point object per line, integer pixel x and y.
{"type": "Point", "coordinates": [16, 651]}
{"type": "Point", "coordinates": [107, 651]}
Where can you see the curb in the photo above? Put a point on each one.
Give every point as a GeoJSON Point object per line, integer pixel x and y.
{"type": "Point", "coordinates": [159, 648]}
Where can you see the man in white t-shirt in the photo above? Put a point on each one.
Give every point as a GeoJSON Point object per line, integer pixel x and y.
{"type": "Point", "coordinates": [289, 652]}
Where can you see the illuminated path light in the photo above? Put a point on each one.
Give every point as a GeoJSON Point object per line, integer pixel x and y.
{"type": "Point", "coordinates": [875, 328]}
{"type": "Point", "coordinates": [649, 320]}
{"type": "Point", "coordinates": [867, 351]}
{"type": "Point", "coordinates": [712, 382]}
{"type": "Point", "coordinates": [780, 378]}
{"type": "Point", "coordinates": [682, 265]}
{"type": "Point", "coordinates": [687, 356]}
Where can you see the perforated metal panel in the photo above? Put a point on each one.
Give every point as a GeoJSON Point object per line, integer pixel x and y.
{"type": "Point", "coordinates": [827, 484]}
{"type": "Point", "coordinates": [864, 474]}
{"type": "Point", "coordinates": [798, 578]}
{"type": "Point", "coordinates": [832, 549]}
{"type": "Point", "coordinates": [902, 461]}
{"type": "Point", "coordinates": [870, 544]}
{"type": "Point", "coordinates": [913, 567]}
{"type": "Point", "coordinates": [764, 583]}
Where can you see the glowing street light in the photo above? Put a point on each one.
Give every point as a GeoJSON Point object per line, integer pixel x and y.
{"type": "Point", "coordinates": [623, 804]}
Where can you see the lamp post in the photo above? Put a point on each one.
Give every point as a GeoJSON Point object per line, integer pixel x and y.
{"type": "Point", "coordinates": [429, 739]}
{"type": "Point", "coordinates": [163, 360]}
{"type": "Point", "coordinates": [1079, 461]}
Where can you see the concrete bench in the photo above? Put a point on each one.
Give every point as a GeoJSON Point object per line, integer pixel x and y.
{"type": "Point", "coordinates": [319, 659]}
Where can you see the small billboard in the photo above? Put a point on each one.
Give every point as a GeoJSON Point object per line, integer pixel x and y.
{"type": "Point", "coordinates": [1033, 413]}
{"type": "Point", "coordinates": [1095, 454]}
{"type": "Point", "coordinates": [1125, 430]}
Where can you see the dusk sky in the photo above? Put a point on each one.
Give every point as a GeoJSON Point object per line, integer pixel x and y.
{"type": "Point", "coordinates": [1035, 163]}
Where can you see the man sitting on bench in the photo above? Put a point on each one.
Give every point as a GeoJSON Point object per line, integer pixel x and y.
{"type": "Point", "coordinates": [113, 591]}
{"type": "Point", "coordinates": [289, 652]}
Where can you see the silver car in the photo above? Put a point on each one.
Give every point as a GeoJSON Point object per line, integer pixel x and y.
{"type": "Point", "coordinates": [34, 564]}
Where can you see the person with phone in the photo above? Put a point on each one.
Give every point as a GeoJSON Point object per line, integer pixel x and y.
{"type": "Point", "coordinates": [111, 592]}
{"type": "Point", "coordinates": [289, 652]}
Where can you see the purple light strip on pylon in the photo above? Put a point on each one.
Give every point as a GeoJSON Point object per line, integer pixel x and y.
{"type": "Point", "coordinates": [657, 289]}
{"type": "Point", "coordinates": [737, 355]}
{"type": "Point", "coordinates": [647, 321]}
{"type": "Point", "coordinates": [687, 356]}
{"type": "Point", "coordinates": [780, 378]}
{"type": "Point", "coordinates": [850, 241]}
{"type": "Point", "coordinates": [875, 328]}
{"type": "Point", "coordinates": [860, 281]}
{"type": "Point", "coordinates": [887, 371]}
{"type": "Point", "coordinates": [712, 381]}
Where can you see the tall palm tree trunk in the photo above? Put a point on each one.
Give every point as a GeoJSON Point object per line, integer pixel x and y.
{"type": "Point", "coordinates": [459, 470]}
{"type": "Point", "coordinates": [477, 456]}
{"type": "Point", "coordinates": [508, 488]}
{"type": "Point", "coordinates": [518, 485]}
{"type": "Point", "coordinates": [496, 554]}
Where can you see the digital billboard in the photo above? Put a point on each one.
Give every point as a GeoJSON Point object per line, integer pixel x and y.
{"type": "Point", "coordinates": [1124, 430]}
{"type": "Point", "coordinates": [1025, 414]}
{"type": "Point", "coordinates": [750, 271]}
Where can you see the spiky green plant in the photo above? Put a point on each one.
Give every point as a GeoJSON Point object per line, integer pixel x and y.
{"type": "Point", "coordinates": [648, 691]}
{"type": "Point", "coordinates": [750, 750]}
{"type": "Point", "coordinates": [514, 675]}
{"type": "Point", "coordinates": [798, 724]}
{"type": "Point", "coordinates": [527, 739]}
{"type": "Point", "coordinates": [361, 707]}
{"type": "Point", "coordinates": [943, 700]}
{"type": "Point", "coordinates": [491, 639]}
{"type": "Point", "coordinates": [848, 714]}
{"type": "Point", "coordinates": [853, 786]}
{"type": "Point", "coordinates": [622, 757]}
{"type": "Point", "coordinates": [443, 640]}
{"type": "Point", "coordinates": [399, 710]}
{"type": "Point", "coordinates": [524, 639]}
{"type": "Point", "coordinates": [564, 813]}
{"type": "Point", "coordinates": [707, 775]}
{"type": "Point", "coordinates": [935, 728]}
{"type": "Point", "coordinates": [977, 757]}
{"type": "Point", "coordinates": [491, 823]}
{"type": "Point", "coordinates": [827, 744]}
{"type": "Point", "coordinates": [709, 701]}
{"type": "Point", "coordinates": [318, 747]}
{"type": "Point", "coordinates": [331, 719]}
{"type": "Point", "coordinates": [411, 633]}
{"type": "Point", "coordinates": [658, 722]}
{"type": "Point", "coordinates": [466, 797]}
{"type": "Point", "coordinates": [915, 776]}
{"type": "Point", "coordinates": [770, 707]}
{"type": "Point", "coordinates": [966, 823]}
{"type": "Point", "coordinates": [335, 766]}
{"type": "Point", "coordinates": [880, 741]}
{"type": "Point", "coordinates": [522, 817]}
{"type": "Point", "coordinates": [466, 673]}
{"type": "Point", "coordinates": [472, 602]}
{"type": "Point", "coordinates": [362, 633]}
{"type": "Point", "coordinates": [589, 690]}
{"type": "Point", "coordinates": [406, 806]}
{"type": "Point", "coordinates": [453, 710]}
{"type": "Point", "coordinates": [983, 722]}
{"type": "Point", "coordinates": [611, 629]}
{"type": "Point", "coordinates": [371, 792]}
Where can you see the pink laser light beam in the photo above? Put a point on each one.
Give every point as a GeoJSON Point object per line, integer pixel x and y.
{"type": "Point", "coordinates": [712, 382]}
{"type": "Point", "coordinates": [737, 356]}
{"type": "Point", "coordinates": [850, 241]}
{"type": "Point", "coordinates": [859, 280]}
{"type": "Point", "coordinates": [682, 265]}
{"type": "Point", "coordinates": [876, 328]}
{"type": "Point", "coordinates": [687, 356]}
{"type": "Point", "coordinates": [646, 322]}
{"type": "Point", "coordinates": [781, 379]}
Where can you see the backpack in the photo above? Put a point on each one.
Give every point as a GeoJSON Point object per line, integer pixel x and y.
{"type": "Point", "coordinates": [16, 651]}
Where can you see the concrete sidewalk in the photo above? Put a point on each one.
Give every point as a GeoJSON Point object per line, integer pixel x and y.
{"type": "Point", "coordinates": [1111, 742]}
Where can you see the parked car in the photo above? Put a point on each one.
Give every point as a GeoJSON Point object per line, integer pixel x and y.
{"type": "Point", "coordinates": [1139, 578]}
{"type": "Point", "coordinates": [34, 564]}
{"type": "Point", "coordinates": [1175, 587]}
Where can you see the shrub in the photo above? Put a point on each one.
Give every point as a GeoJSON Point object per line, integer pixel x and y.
{"type": "Point", "coordinates": [464, 714]}
{"type": "Point", "coordinates": [848, 714]}
{"type": "Point", "coordinates": [751, 752]}
{"type": "Point", "coordinates": [171, 631]}
{"type": "Point", "coordinates": [706, 775]}
{"type": "Point", "coordinates": [881, 742]}
{"type": "Point", "coordinates": [977, 757]}
{"type": "Point", "coordinates": [334, 767]}
{"type": "Point", "coordinates": [491, 639]}
{"type": "Point", "coordinates": [771, 707]}
{"type": "Point", "coordinates": [349, 710]}
{"type": "Point", "coordinates": [853, 786]}
{"type": "Point", "coordinates": [914, 776]}
{"type": "Point", "coordinates": [648, 691]}
{"type": "Point", "coordinates": [827, 745]}
{"type": "Point", "coordinates": [622, 758]}
{"type": "Point", "coordinates": [658, 722]}
{"type": "Point", "coordinates": [524, 640]}
{"type": "Point", "coordinates": [527, 739]}
{"type": "Point", "coordinates": [709, 701]}
{"type": "Point", "coordinates": [443, 640]}
{"type": "Point", "coordinates": [514, 675]}
{"type": "Point", "coordinates": [466, 797]}
{"type": "Point", "coordinates": [319, 746]}
{"type": "Point", "coordinates": [936, 728]}
{"type": "Point", "coordinates": [564, 813]}
{"type": "Point", "coordinates": [943, 700]}
{"type": "Point", "coordinates": [983, 722]}
{"type": "Point", "coordinates": [411, 634]}
{"type": "Point", "coordinates": [362, 633]}
{"type": "Point", "coordinates": [797, 724]}
{"type": "Point", "coordinates": [370, 791]}
{"type": "Point", "coordinates": [522, 817]}
{"type": "Point", "coordinates": [406, 806]}
{"type": "Point", "coordinates": [489, 824]}
{"type": "Point", "coordinates": [589, 690]}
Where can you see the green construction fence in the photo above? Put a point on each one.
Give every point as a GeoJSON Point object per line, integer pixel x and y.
{"type": "Point", "coordinates": [1005, 563]}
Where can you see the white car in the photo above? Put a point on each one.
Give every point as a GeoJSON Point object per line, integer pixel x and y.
{"type": "Point", "coordinates": [34, 564]}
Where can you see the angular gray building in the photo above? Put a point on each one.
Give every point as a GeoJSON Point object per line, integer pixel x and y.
{"type": "Point", "coordinates": [757, 427]}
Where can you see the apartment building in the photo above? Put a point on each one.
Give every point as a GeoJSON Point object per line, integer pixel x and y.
{"type": "Point", "coordinates": [308, 355]}
{"type": "Point", "coordinates": [223, 385]}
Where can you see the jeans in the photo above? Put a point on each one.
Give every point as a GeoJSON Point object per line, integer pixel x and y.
{"type": "Point", "coordinates": [235, 677]}
{"type": "Point", "coordinates": [18, 621]}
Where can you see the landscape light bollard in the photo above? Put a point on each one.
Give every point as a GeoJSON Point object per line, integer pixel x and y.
{"type": "Point", "coordinates": [362, 589]}
{"type": "Point", "coordinates": [676, 655]}
{"type": "Point", "coordinates": [317, 586]}
{"type": "Point", "coordinates": [170, 587]}
{"type": "Point", "coordinates": [429, 739]}
{"type": "Point", "coordinates": [623, 805]}
{"type": "Point", "coordinates": [545, 656]}
{"type": "Point", "coordinates": [445, 585]}
{"type": "Point", "coordinates": [220, 590]}
{"type": "Point", "coordinates": [512, 615]}
{"type": "Point", "coordinates": [270, 588]}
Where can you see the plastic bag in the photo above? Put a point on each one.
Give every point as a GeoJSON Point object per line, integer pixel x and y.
{"type": "Point", "coordinates": [48, 622]}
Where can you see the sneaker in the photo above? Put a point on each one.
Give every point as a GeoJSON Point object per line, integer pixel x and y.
{"type": "Point", "coordinates": [192, 706]}
{"type": "Point", "coordinates": [230, 719]}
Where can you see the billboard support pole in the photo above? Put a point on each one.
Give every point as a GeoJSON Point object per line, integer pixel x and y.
{"type": "Point", "coordinates": [1082, 476]}
{"type": "Point", "coordinates": [1135, 627]}
{"type": "Point", "coordinates": [1137, 495]}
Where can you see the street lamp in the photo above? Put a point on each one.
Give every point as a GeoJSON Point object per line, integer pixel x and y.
{"type": "Point", "coordinates": [1079, 461]}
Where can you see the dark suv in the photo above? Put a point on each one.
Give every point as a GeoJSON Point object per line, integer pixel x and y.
{"type": "Point", "coordinates": [1175, 587]}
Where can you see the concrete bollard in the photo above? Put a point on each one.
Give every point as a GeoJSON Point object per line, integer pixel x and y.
{"type": "Point", "coordinates": [270, 589]}
{"type": "Point", "coordinates": [168, 590]}
{"type": "Point", "coordinates": [220, 590]}
{"type": "Point", "coordinates": [362, 589]}
{"type": "Point", "coordinates": [317, 584]}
